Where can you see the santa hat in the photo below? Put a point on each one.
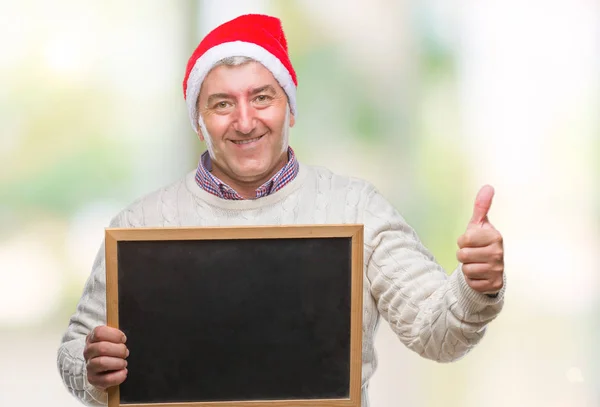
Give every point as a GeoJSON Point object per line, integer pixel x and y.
{"type": "Point", "coordinates": [256, 36]}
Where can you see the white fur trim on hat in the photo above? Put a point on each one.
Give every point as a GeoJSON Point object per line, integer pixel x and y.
{"type": "Point", "coordinates": [207, 61]}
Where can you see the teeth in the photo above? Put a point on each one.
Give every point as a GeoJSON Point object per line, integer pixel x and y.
{"type": "Point", "coordinates": [247, 141]}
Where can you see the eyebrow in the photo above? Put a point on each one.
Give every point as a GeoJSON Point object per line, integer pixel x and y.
{"type": "Point", "coordinates": [267, 88]}
{"type": "Point", "coordinates": [217, 96]}
{"type": "Point", "coordinates": [220, 96]}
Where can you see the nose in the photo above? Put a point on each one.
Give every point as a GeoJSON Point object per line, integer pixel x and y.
{"type": "Point", "coordinates": [245, 120]}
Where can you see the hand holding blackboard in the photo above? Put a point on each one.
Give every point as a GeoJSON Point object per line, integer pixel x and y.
{"type": "Point", "coordinates": [105, 353]}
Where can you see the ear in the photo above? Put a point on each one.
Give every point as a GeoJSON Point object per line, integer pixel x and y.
{"type": "Point", "coordinates": [200, 135]}
{"type": "Point", "coordinates": [292, 120]}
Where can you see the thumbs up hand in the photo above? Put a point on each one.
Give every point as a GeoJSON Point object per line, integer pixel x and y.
{"type": "Point", "coordinates": [481, 249]}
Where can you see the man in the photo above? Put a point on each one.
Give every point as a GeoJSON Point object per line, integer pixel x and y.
{"type": "Point", "coordinates": [240, 89]}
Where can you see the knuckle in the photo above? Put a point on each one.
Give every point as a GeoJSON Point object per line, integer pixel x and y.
{"type": "Point", "coordinates": [100, 362]}
{"type": "Point", "coordinates": [103, 333]}
{"type": "Point", "coordinates": [86, 353]}
{"type": "Point", "coordinates": [102, 349]}
{"type": "Point", "coordinates": [100, 332]}
{"type": "Point", "coordinates": [95, 334]}
{"type": "Point", "coordinates": [91, 367]}
{"type": "Point", "coordinates": [106, 349]}
{"type": "Point", "coordinates": [468, 238]}
{"type": "Point", "coordinates": [497, 285]}
{"type": "Point", "coordinates": [493, 255]}
{"type": "Point", "coordinates": [469, 270]}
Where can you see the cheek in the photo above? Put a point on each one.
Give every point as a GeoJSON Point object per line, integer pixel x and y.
{"type": "Point", "coordinates": [217, 125]}
{"type": "Point", "coordinates": [274, 122]}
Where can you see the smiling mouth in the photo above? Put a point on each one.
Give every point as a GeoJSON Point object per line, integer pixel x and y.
{"type": "Point", "coordinates": [252, 140]}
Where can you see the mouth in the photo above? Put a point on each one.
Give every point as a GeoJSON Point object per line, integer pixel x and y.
{"type": "Point", "coordinates": [249, 141]}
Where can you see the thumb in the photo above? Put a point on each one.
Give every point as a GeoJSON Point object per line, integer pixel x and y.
{"type": "Point", "coordinates": [483, 202]}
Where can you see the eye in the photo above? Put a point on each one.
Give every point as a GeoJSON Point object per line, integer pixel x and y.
{"type": "Point", "coordinates": [262, 98]}
{"type": "Point", "coordinates": [222, 105]}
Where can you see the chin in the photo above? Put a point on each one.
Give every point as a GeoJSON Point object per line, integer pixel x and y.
{"type": "Point", "coordinates": [251, 171]}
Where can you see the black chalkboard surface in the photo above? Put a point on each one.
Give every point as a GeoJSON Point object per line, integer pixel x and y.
{"type": "Point", "coordinates": [235, 316]}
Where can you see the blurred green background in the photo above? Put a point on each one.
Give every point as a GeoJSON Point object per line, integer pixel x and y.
{"type": "Point", "coordinates": [428, 100]}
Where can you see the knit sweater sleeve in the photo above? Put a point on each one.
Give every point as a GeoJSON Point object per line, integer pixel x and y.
{"type": "Point", "coordinates": [90, 312]}
{"type": "Point", "coordinates": [438, 316]}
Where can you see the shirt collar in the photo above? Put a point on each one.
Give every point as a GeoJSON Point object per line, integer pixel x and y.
{"type": "Point", "coordinates": [213, 185]}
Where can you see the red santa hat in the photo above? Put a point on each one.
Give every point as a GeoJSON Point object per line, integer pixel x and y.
{"type": "Point", "coordinates": [256, 36]}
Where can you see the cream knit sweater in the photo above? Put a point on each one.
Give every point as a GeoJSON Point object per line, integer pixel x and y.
{"type": "Point", "coordinates": [438, 316]}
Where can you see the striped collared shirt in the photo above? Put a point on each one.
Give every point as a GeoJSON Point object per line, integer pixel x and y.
{"type": "Point", "coordinates": [211, 184]}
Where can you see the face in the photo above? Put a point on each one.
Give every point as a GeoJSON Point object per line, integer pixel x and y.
{"type": "Point", "coordinates": [245, 122]}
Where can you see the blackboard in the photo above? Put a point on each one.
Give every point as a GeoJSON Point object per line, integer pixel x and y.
{"type": "Point", "coordinates": [235, 316]}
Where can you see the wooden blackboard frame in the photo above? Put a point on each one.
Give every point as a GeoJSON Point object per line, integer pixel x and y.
{"type": "Point", "coordinates": [353, 231]}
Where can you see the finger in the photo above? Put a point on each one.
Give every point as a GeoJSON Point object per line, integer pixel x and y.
{"type": "Point", "coordinates": [488, 254]}
{"type": "Point", "coordinates": [110, 379]}
{"type": "Point", "coordinates": [483, 202]}
{"type": "Point", "coordinates": [477, 271]}
{"type": "Point", "coordinates": [102, 364]}
{"type": "Point", "coordinates": [485, 286]}
{"type": "Point", "coordinates": [106, 334]}
{"type": "Point", "coordinates": [118, 350]}
{"type": "Point", "coordinates": [479, 237]}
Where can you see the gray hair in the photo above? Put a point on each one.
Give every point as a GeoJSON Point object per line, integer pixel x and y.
{"type": "Point", "coordinates": [234, 61]}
